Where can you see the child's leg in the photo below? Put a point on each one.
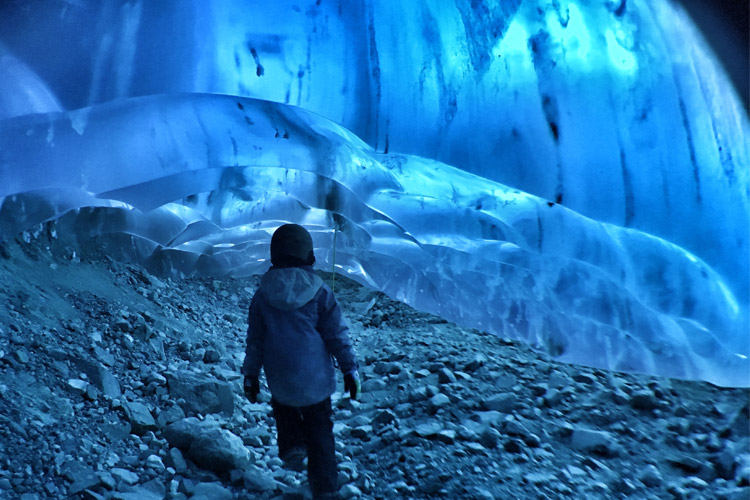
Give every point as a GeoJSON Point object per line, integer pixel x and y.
{"type": "Point", "coordinates": [321, 449]}
{"type": "Point", "coordinates": [288, 428]}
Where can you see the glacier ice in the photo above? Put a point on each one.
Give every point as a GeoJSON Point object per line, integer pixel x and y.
{"type": "Point", "coordinates": [598, 199]}
{"type": "Point", "coordinates": [616, 109]}
{"type": "Point", "coordinates": [196, 183]}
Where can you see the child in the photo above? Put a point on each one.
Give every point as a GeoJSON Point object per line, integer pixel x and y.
{"type": "Point", "coordinates": [295, 328]}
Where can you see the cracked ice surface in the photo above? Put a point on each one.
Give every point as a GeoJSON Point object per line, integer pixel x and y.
{"type": "Point", "coordinates": [194, 184]}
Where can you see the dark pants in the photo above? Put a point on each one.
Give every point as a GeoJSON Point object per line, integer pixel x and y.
{"type": "Point", "coordinates": [309, 427]}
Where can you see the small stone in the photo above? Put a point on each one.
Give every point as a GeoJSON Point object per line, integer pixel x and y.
{"type": "Point", "coordinates": [170, 415]}
{"type": "Point", "coordinates": [504, 403]}
{"type": "Point", "coordinates": [695, 483]}
{"type": "Point", "coordinates": [742, 475]}
{"type": "Point", "coordinates": [539, 389]}
{"type": "Point", "coordinates": [362, 432]}
{"type": "Point", "coordinates": [107, 480]}
{"type": "Point", "coordinates": [477, 362]}
{"type": "Point", "coordinates": [593, 441]}
{"type": "Point", "coordinates": [155, 378]}
{"type": "Point", "coordinates": [446, 436]}
{"type": "Point", "coordinates": [383, 418]}
{"type": "Point", "coordinates": [584, 378]}
{"type": "Point", "coordinates": [513, 446]}
{"type": "Point", "coordinates": [374, 384]}
{"type": "Point", "coordinates": [686, 463]}
{"type": "Point", "coordinates": [386, 368]}
{"type": "Point", "coordinates": [212, 356]}
{"type": "Point", "coordinates": [512, 427]}
{"type": "Point", "coordinates": [201, 393]}
{"type": "Point", "coordinates": [489, 437]}
{"type": "Point", "coordinates": [78, 386]}
{"type": "Point", "coordinates": [624, 486]}
{"type": "Point", "coordinates": [553, 398]}
{"type": "Point", "coordinates": [211, 491]}
{"type": "Point", "coordinates": [92, 393]}
{"type": "Point", "coordinates": [83, 478]}
{"type": "Point", "coordinates": [428, 430]}
{"type": "Point", "coordinates": [438, 401]}
{"type": "Point", "coordinates": [21, 356]}
{"type": "Point", "coordinates": [218, 450]}
{"type": "Point", "coordinates": [651, 477]}
{"type": "Point", "coordinates": [177, 460]}
{"type": "Point", "coordinates": [539, 478]}
{"type": "Point", "coordinates": [532, 440]}
{"type": "Point", "coordinates": [122, 325]}
{"type": "Point", "coordinates": [124, 475]}
{"type": "Point", "coordinates": [155, 462]}
{"type": "Point", "coordinates": [258, 480]}
{"type": "Point", "coordinates": [620, 397]}
{"type": "Point", "coordinates": [139, 416]}
{"type": "Point", "coordinates": [739, 425]}
{"type": "Point", "coordinates": [445, 376]}
{"type": "Point", "coordinates": [644, 400]}
{"type": "Point", "coordinates": [418, 394]}
{"type": "Point", "coordinates": [474, 448]}
{"type": "Point", "coordinates": [349, 491]}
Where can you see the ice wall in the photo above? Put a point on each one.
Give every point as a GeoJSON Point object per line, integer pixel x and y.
{"type": "Point", "coordinates": [195, 184]}
{"type": "Point", "coordinates": [614, 109]}
{"type": "Point", "coordinates": [21, 90]}
{"type": "Point", "coordinates": [601, 198]}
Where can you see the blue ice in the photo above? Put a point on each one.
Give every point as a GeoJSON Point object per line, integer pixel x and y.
{"type": "Point", "coordinates": [572, 174]}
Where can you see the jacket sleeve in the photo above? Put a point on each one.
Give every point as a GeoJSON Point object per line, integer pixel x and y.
{"type": "Point", "coordinates": [334, 331]}
{"type": "Point", "coordinates": [254, 345]}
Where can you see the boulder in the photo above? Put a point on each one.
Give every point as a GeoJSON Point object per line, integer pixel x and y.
{"type": "Point", "coordinates": [504, 403]}
{"type": "Point", "coordinates": [257, 479]}
{"type": "Point", "coordinates": [124, 475]}
{"type": "Point", "coordinates": [219, 450]}
{"type": "Point", "coordinates": [593, 441]}
{"type": "Point", "coordinates": [651, 477]}
{"type": "Point", "coordinates": [81, 477]}
{"type": "Point", "coordinates": [207, 444]}
{"type": "Point", "coordinates": [99, 376]}
{"type": "Point", "coordinates": [182, 433]}
{"type": "Point", "coordinates": [140, 418]}
{"type": "Point", "coordinates": [202, 394]}
{"type": "Point", "coordinates": [644, 400]}
{"type": "Point", "coordinates": [211, 491]}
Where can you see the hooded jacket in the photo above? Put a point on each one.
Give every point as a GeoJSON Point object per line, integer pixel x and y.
{"type": "Point", "coordinates": [295, 326]}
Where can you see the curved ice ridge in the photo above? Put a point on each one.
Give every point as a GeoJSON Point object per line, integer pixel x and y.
{"type": "Point", "coordinates": [619, 110]}
{"type": "Point", "coordinates": [195, 184]}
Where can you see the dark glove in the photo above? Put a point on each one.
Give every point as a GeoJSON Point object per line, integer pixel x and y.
{"type": "Point", "coordinates": [251, 386]}
{"type": "Point", "coordinates": [352, 385]}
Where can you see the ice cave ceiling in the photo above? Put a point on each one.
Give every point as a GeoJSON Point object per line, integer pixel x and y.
{"type": "Point", "coordinates": [574, 174]}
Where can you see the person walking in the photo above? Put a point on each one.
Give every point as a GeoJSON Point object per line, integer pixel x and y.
{"type": "Point", "coordinates": [295, 331]}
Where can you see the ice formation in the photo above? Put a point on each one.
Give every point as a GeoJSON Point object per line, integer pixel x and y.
{"type": "Point", "coordinates": [597, 206]}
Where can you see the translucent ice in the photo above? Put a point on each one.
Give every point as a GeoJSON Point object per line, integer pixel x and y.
{"type": "Point", "coordinates": [622, 241]}
{"type": "Point", "coordinates": [614, 109]}
{"type": "Point", "coordinates": [194, 184]}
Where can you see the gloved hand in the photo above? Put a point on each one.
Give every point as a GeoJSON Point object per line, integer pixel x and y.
{"type": "Point", "coordinates": [352, 385]}
{"type": "Point", "coordinates": [251, 385]}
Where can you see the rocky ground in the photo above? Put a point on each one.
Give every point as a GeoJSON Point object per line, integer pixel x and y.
{"type": "Point", "coordinates": [115, 384]}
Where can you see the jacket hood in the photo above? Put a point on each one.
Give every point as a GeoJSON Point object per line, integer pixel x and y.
{"type": "Point", "coordinates": [289, 288]}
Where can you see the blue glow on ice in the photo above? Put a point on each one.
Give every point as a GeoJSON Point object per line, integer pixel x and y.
{"type": "Point", "coordinates": [515, 40]}
{"type": "Point", "coordinates": [621, 57]}
{"type": "Point", "coordinates": [573, 36]}
{"type": "Point", "coordinates": [556, 172]}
